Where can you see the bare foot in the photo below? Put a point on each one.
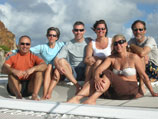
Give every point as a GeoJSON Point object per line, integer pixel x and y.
{"type": "Point", "coordinates": [142, 89]}
{"type": "Point", "coordinates": [139, 95]}
{"type": "Point", "coordinates": [73, 100]}
{"type": "Point", "coordinates": [43, 98]}
{"type": "Point", "coordinates": [90, 102]}
{"type": "Point", "coordinates": [19, 96]}
{"type": "Point", "coordinates": [35, 97]}
{"type": "Point", "coordinates": [48, 96]}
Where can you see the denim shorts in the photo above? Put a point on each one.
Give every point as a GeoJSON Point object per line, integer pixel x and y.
{"type": "Point", "coordinates": [79, 73]}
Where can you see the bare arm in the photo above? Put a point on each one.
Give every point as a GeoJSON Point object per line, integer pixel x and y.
{"type": "Point", "coordinates": [99, 71]}
{"type": "Point", "coordinates": [41, 67]}
{"type": "Point", "coordinates": [89, 59]}
{"type": "Point", "coordinates": [139, 50]}
{"type": "Point", "coordinates": [19, 73]}
{"type": "Point", "coordinates": [141, 71]}
{"type": "Point", "coordinates": [105, 65]}
{"type": "Point", "coordinates": [6, 69]}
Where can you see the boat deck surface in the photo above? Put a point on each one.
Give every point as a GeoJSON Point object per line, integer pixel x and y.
{"type": "Point", "coordinates": [136, 108]}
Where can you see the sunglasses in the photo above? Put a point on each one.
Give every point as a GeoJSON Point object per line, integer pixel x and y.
{"type": "Point", "coordinates": [76, 30]}
{"type": "Point", "coordinates": [100, 29]}
{"type": "Point", "coordinates": [49, 35]}
{"type": "Point", "coordinates": [119, 42]}
{"type": "Point", "coordinates": [140, 29]}
{"type": "Point", "coordinates": [25, 44]}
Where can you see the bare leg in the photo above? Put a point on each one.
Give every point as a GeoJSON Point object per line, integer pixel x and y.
{"type": "Point", "coordinates": [142, 89]}
{"type": "Point", "coordinates": [53, 83]}
{"type": "Point", "coordinates": [92, 99]}
{"type": "Point", "coordinates": [14, 86]}
{"type": "Point", "coordinates": [47, 80]}
{"type": "Point", "coordinates": [95, 66]}
{"type": "Point", "coordinates": [68, 73]}
{"type": "Point", "coordinates": [91, 69]}
{"type": "Point", "coordinates": [87, 89]}
{"type": "Point", "coordinates": [88, 73]}
{"type": "Point", "coordinates": [35, 85]}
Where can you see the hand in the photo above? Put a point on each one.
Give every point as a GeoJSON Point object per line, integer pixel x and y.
{"type": "Point", "coordinates": [28, 72]}
{"type": "Point", "coordinates": [99, 85]}
{"type": "Point", "coordinates": [9, 53]}
{"type": "Point", "coordinates": [18, 73]}
{"type": "Point", "coordinates": [91, 60]}
{"type": "Point", "coordinates": [60, 69]}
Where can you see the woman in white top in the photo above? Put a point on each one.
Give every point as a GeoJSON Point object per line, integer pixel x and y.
{"type": "Point", "coordinates": [122, 79]}
{"type": "Point", "coordinates": [98, 49]}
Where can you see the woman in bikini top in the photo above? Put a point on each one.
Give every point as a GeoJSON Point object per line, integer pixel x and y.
{"type": "Point", "coordinates": [122, 78]}
{"type": "Point", "coordinates": [127, 71]}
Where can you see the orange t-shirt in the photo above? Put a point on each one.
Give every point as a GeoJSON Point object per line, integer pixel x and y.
{"type": "Point", "coordinates": [23, 62]}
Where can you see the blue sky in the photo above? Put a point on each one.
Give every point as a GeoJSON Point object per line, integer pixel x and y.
{"type": "Point", "coordinates": [33, 17]}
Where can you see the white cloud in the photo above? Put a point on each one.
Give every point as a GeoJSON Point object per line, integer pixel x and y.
{"type": "Point", "coordinates": [152, 25]}
{"type": "Point", "coordinates": [146, 1]}
{"type": "Point", "coordinates": [34, 17]}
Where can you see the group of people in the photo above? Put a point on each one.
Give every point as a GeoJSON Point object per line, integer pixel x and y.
{"type": "Point", "coordinates": [109, 67]}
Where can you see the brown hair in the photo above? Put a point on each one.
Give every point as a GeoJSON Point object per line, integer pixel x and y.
{"type": "Point", "coordinates": [100, 22]}
{"type": "Point", "coordinates": [78, 23]}
{"type": "Point", "coordinates": [138, 21]}
{"type": "Point", "coordinates": [53, 29]}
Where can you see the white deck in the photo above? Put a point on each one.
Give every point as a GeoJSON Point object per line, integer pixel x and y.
{"type": "Point", "coordinates": [145, 108]}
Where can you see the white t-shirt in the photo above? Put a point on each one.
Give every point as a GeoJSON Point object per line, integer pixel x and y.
{"type": "Point", "coordinates": [150, 42]}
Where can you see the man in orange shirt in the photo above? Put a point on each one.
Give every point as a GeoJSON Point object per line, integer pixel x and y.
{"type": "Point", "coordinates": [25, 71]}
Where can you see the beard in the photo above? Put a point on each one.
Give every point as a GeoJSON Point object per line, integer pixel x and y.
{"type": "Point", "coordinates": [139, 37]}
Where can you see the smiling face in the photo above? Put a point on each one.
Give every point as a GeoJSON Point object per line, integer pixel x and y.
{"type": "Point", "coordinates": [24, 45]}
{"type": "Point", "coordinates": [139, 31]}
{"type": "Point", "coordinates": [119, 43]}
{"type": "Point", "coordinates": [100, 30]}
{"type": "Point", "coordinates": [78, 32]}
{"type": "Point", "coordinates": [52, 37]}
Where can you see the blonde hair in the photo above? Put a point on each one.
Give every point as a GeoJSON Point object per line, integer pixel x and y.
{"type": "Point", "coordinates": [113, 51]}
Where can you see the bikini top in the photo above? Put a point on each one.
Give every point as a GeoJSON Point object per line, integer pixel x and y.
{"type": "Point", "coordinates": [126, 72]}
{"type": "Point", "coordinates": [102, 53]}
